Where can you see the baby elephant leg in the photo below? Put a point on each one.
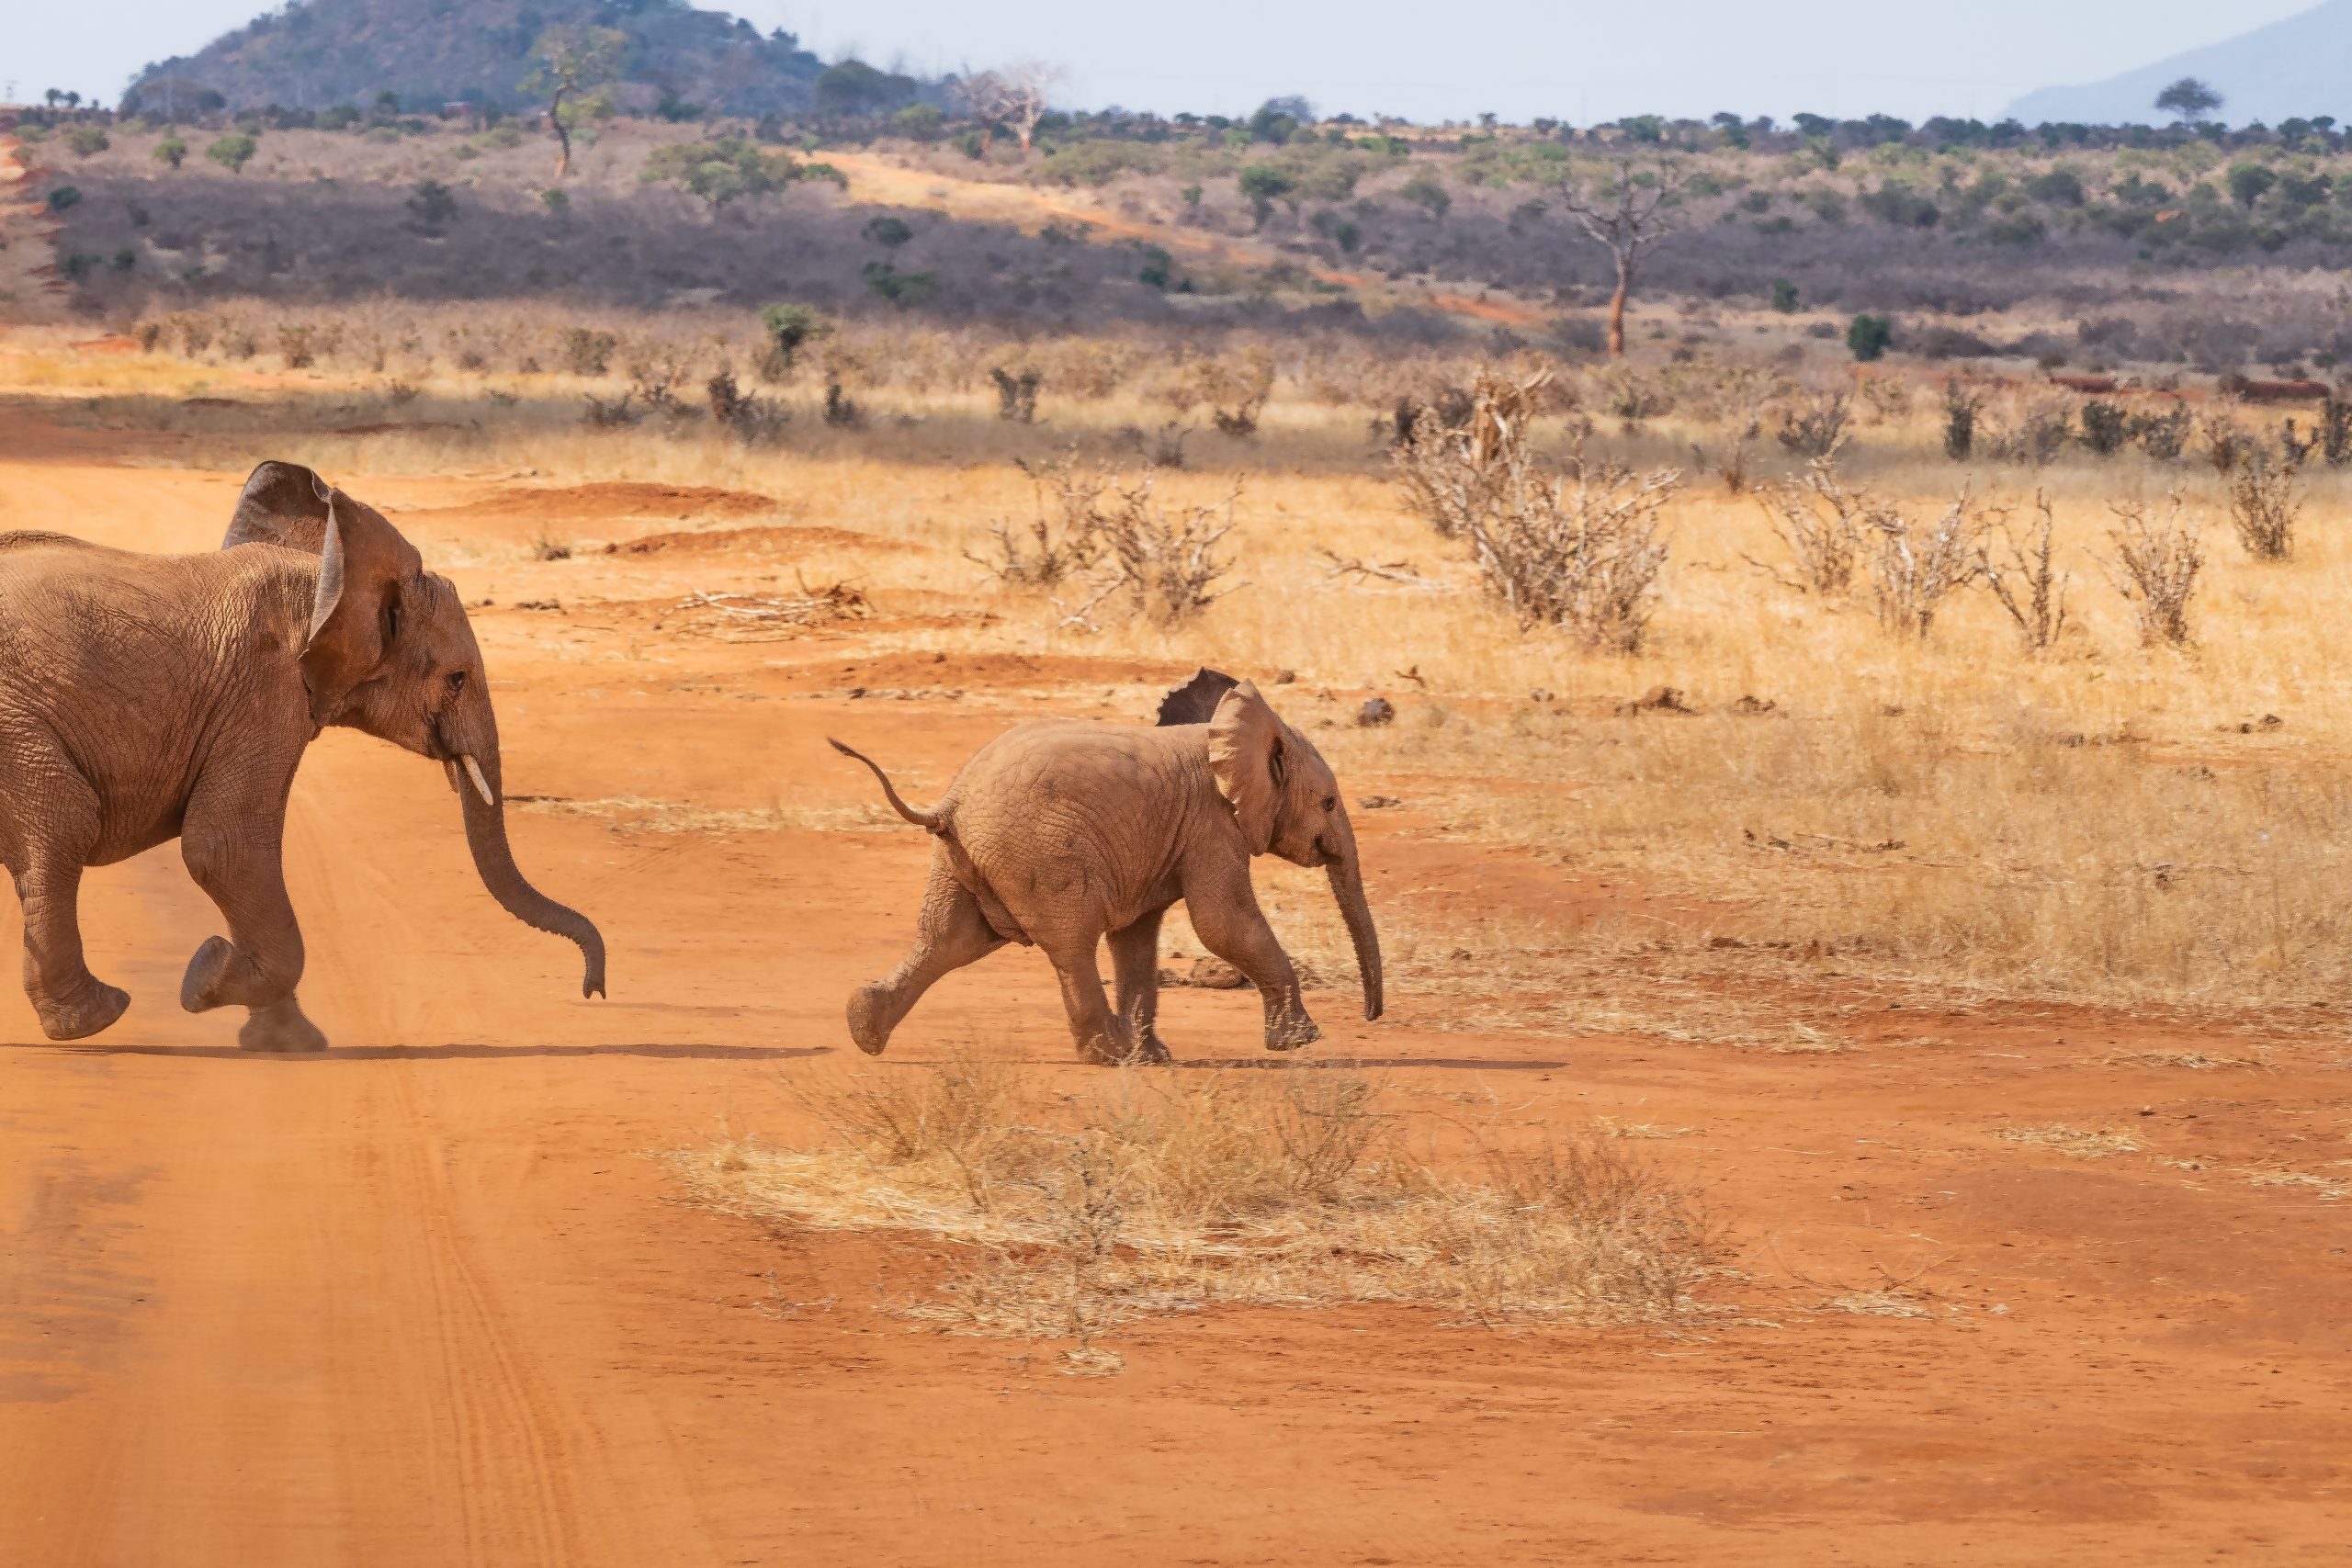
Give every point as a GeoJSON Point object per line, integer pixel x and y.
{"type": "Point", "coordinates": [73, 1003]}
{"type": "Point", "coordinates": [950, 933]}
{"type": "Point", "coordinates": [257, 964]}
{"type": "Point", "coordinates": [1225, 916]}
{"type": "Point", "coordinates": [1135, 960]}
{"type": "Point", "coordinates": [1101, 1036]}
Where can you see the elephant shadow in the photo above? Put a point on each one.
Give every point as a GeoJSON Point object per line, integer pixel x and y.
{"type": "Point", "coordinates": [657, 1051]}
{"type": "Point", "coordinates": [1366, 1064]}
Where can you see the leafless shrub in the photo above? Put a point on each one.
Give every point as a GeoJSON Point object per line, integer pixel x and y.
{"type": "Point", "coordinates": [2226, 442]}
{"type": "Point", "coordinates": [768, 618]}
{"type": "Point", "coordinates": [1016, 395]}
{"type": "Point", "coordinates": [2164, 436]}
{"type": "Point", "coordinates": [1163, 562]}
{"type": "Point", "coordinates": [2157, 560]}
{"type": "Point", "coordinates": [1812, 427]}
{"type": "Point", "coordinates": [2035, 433]}
{"type": "Point", "coordinates": [2264, 501]}
{"type": "Point", "coordinates": [2025, 580]}
{"type": "Point", "coordinates": [1960, 408]}
{"type": "Point", "coordinates": [1581, 550]}
{"type": "Point", "coordinates": [1822, 523]}
{"type": "Point", "coordinates": [1916, 565]}
{"type": "Point", "coordinates": [1728, 463]}
{"type": "Point", "coordinates": [1452, 458]}
{"type": "Point", "coordinates": [754, 420]}
{"type": "Point", "coordinates": [1066, 535]}
{"type": "Point", "coordinates": [1163, 447]}
{"type": "Point", "coordinates": [842, 412]}
{"type": "Point", "coordinates": [616, 414]}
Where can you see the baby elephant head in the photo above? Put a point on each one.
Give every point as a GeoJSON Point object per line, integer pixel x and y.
{"type": "Point", "coordinates": [1285, 796]}
{"type": "Point", "coordinates": [388, 650]}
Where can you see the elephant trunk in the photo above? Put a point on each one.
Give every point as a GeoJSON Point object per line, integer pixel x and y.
{"type": "Point", "coordinates": [1346, 873]}
{"type": "Point", "coordinates": [476, 777]}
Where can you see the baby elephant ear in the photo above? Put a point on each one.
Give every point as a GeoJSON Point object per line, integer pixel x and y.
{"type": "Point", "coordinates": [1195, 701]}
{"type": "Point", "coordinates": [283, 503]}
{"type": "Point", "coordinates": [364, 564]}
{"type": "Point", "coordinates": [1246, 754]}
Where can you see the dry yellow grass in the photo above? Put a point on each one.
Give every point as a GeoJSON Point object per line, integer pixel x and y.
{"type": "Point", "coordinates": [2104, 822]}
{"type": "Point", "coordinates": [1159, 1193]}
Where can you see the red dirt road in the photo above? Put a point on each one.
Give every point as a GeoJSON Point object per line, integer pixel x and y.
{"type": "Point", "coordinates": [423, 1300]}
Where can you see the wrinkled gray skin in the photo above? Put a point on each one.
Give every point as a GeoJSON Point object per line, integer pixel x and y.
{"type": "Point", "coordinates": [145, 698]}
{"type": "Point", "coordinates": [1059, 834]}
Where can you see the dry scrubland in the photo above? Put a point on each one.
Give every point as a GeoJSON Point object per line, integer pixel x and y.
{"type": "Point", "coordinates": [2106, 821]}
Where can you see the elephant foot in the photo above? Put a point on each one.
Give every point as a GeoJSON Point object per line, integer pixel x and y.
{"type": "Point", "coordinates": [206, 974]}
{"type": "Point", "coordinates": [95, 1011]}
{"type": "Point", "coordinates": [869, 1008]}
{"type": "Point", "coordinates": [1290, 1034]}
{"type": "Point", "coordinates": [1151, 1050]}
{"type": "Point", "coordinates": [280, 1028]}
{"type": "Point", "coordinates": [1115, 1047]}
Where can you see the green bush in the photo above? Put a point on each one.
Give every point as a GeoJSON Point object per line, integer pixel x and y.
{"type": "Point", "coordinates": [725, 168]}
{"type": "Point", "coordinates": [790, 326]}
{"type": "Point", "coordinates": [171, 150]}
{"type": "Point", "coordinates": [1157, 266]}
{"type": "Point", "coordinates": [433, 202]}
{"type": "Point", "coordinates": [1784, 295]}
{"type": "Point", "coordinates": [63, 197]}
{"type": "Point", "coordinates": [919, 122]}
{"type": "Point", "coordinates": [1869, 336]}
{"type": "Point", "coordinates": [87, 141]}
{"type": "Point", "coordinates": [1262, 186]}
{"type": "Point", "coordinates": [1426, 191]}
{"type": "Point", "coordinates": [900, 288]}
{"type": "Point", "coordinates": [233, 152]}
{"type": "Point", "coordinates": [2249, 182]}
{"type": "Point", "coordinates": [888, 230]}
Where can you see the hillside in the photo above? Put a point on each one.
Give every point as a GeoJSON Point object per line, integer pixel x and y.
{"type": "Point", "coordinates": [2301, 66]}
{"type": "Point", "coordinates": [323, 52]}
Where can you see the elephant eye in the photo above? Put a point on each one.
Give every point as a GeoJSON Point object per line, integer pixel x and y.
{"type": "Point", "coordinates": [1330, 802]}
{"type": "Point", "coordinates": [457, 679]}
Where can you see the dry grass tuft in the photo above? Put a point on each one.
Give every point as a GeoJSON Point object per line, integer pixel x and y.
{"type": "Point", "coordinates": [1158, 1193]}
{"type": "Point", "coordinates": [2077, 1142]}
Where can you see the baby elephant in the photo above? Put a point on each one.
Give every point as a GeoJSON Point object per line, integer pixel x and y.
{"type": "Point", "coordinates": [1058, 833]}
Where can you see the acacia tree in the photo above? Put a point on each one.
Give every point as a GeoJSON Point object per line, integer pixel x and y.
{"type": "Point", "coordinates": [2188, 99]}
{"type": "Point", "coordinates": [1630, 212]}
{"type": "Point", "coordinates": [1012, 95]}
{"type": "Point", "coordinates": [575, 66]}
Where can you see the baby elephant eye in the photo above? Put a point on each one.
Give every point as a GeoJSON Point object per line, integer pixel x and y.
{"type": "Point", "coordinates": [457, 679]}
{"type": "Point", "coordinates": [1330, 802]}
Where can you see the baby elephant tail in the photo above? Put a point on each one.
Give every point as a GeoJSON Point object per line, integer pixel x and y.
{"type": "Point", "coordinates": [935, 821]}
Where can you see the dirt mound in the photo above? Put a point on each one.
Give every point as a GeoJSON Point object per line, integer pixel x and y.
{"type": "Point", "coordinates": [617, 501]}
{"type": "Point", "coordinates": [756, 541]}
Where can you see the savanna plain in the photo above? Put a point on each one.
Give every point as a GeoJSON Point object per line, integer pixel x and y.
{"type": "Point", "coordinates": [1866, 1076]}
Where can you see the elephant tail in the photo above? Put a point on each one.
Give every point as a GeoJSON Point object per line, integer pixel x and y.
{"type": "Point", "coordinates": [932, 821]}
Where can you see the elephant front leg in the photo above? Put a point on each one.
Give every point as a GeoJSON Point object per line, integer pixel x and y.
{"type": "Point", "coordinates": [260, 962]}
{"type": "Point", "coordinates": [1226, 916]}
{"type": "Point", "coordinates": [1135, 960]}
{"type": "Point", "coordinates": [70, 1002]}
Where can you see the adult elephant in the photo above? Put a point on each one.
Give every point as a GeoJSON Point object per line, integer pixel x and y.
{"type": "Point", "coordinates": [1060, 833]}
{"type": "Point", "coordinates": [145, 698]}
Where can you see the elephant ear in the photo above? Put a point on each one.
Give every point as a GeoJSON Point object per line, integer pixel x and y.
{"type": "Point", "coordinates": [1195, 701]}
{"type": "Point", "coordinates": [283, 503]}
{"type": "Point", "coordinates": [1247, 746]}
{"type": "Point", "coordinates": [363, 562]}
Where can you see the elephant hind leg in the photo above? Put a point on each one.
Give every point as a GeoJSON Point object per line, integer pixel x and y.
{"type": "Point", "coordinates": [72, 1003]}
{"type": "Point", "coordinates": [1101, 1036]}
{"type": "Point", "coordinates": [1135, 960]}
{"type": "Point", "coordinates": [950, 933]}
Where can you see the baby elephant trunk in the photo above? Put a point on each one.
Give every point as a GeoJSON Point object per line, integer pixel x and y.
{"type": "Point", "coordinates": [1347, 890]}
{"type": "Point", "coordinates": [476, 778]}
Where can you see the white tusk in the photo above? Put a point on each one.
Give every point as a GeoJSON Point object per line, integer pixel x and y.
{"type": "Point", "coordinates": [474, 771]}
{"type": "Point", "coordinates": [451, 769]}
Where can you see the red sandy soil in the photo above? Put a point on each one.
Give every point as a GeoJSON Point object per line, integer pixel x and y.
{"type": "Point", "coordinates": [424, 1300]}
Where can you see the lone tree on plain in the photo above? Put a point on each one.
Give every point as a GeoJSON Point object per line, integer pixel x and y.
{"type": "Point", "coordinates": [575, 64]}
{"type": "Point", "coordinates": [1013, 95]}
{"type": "Point", "coordinates": [2188, 99]}
{"type": "Point", "coordinates": [1630, 212]}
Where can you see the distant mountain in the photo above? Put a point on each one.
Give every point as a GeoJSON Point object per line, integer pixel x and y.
{"type": "Point", "coordinates": [313, 54]}
{"type": "Point", "coordinates": [2300, 66]}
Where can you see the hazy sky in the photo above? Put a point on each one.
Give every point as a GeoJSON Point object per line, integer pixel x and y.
{"type": "Point", "coordinates": [1519, 58]}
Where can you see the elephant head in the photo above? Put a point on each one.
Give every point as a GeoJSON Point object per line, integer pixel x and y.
{"type": "Point", "coordinates": [388, 650]}
{"type": "Point", "coordinates": [1285, 796]}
